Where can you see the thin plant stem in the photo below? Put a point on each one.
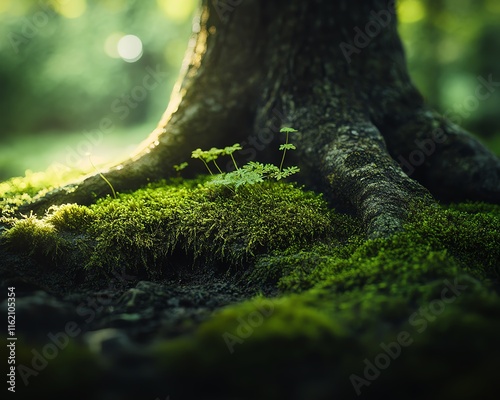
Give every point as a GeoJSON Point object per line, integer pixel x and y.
{"type": "Point", "coordinates": [104, 178]}
{"type": "Point", "coordinates": [217, 166]}
{"type": "Point", "coordinates": [284, 152]}
{"type": "Point", "coordinates": [234, 162]}
{"type": "Point", "coordinates": [206, 165]}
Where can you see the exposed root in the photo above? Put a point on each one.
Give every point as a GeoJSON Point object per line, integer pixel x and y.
{"type": "Point", "coordinates": [446, 159]}
{"type": "Point", "coordinates": [361, 176]}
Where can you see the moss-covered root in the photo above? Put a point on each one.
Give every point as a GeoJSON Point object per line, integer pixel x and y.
{"type": "Point", "coordinates": [361, 175]}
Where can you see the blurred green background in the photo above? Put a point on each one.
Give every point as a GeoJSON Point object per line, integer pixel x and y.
{"type": "Point", "coordinates": [71, 68]}
{"type": "Point", "coordinates": [63, 71]}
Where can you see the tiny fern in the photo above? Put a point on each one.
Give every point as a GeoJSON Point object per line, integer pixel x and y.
{"type": "Point", "coordinates": [249, 174]}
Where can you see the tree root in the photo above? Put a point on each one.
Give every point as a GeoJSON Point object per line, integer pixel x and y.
{"type": "Point", "coordinates": [360, 176]}
{"type": "Point", "coordinates": [445, 158]}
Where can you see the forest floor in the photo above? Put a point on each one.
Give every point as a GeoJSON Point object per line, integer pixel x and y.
{"type": "Point", "coordinates": [184, 290]}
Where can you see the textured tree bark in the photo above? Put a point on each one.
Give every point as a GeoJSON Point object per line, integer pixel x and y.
{"type": "Point", "coordinates": [334, 70]}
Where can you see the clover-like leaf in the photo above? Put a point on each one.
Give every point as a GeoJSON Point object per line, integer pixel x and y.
{"type": "Point", "coordinates": [287, 129]}
{"type": "Point", "coordinates": [249, 178]}
{"type": "Point", "coordinates": [231, 149]}
{"type": "Point", "coordinates": [212, 154]}
{"type": "Point", "coordinates": [180, 167]}
{"type": "Point", "coordinates": [254, 166]}
{"type": "Point", "coordinates": [198, 153]}
{"type": "Point", "coordinates": [288, 146]}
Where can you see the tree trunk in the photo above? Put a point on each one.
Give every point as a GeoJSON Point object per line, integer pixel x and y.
{"type": "Point", "coordinates": [334, 70]}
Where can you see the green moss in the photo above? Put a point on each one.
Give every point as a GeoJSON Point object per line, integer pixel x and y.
{"type": "Point", "coordinates": [142, 230]}
{"type": "Point", "coordinates": [70, 217]}
{"type": "Point", "coordinates": [351, 299]}
{"type": "Point", "coordinates": [436, 243]}
{"type": "Point", "coordinates": [475, 208]}
{"type": "Point", "coordinates": [470, 232]}
{"type": "Point", "coordinates": [23, 189]}
{"type": "Point", "coordinates": [311, 343]}
{"type": "Point", "coordinates": [294, 239]}
{"type": "Point", "coordinates": [434, 282]}
{"type": "Point", "coordinates": [35, 237]}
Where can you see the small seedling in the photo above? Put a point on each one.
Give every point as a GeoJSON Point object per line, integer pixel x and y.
{"type": "Point", "coordinates": [286, 146]}
{"type": "Point", "coordinates": [250, 173]}
{"type": "Point", "coordinates": [103, 177]}
{"type": "Point", "coordinates": [208, 156]}
{"type": "Point", "coordinates": [181, 166]}
{"type": "Point", "coordinates": [228, 151]}
{"type": "Point", "coordinates": [200, 154]}
{"type": "Point", "coordinates": [212, 155]}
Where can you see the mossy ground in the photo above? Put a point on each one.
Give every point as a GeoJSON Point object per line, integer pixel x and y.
{"type": "Point", "coordinates": [341, 298]}
{"type": "Point", "coordinates": [437, 283]}
{"type": "Point", "coordinates": [141, 230]}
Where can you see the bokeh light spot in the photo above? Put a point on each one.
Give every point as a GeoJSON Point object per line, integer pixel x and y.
{"type": "Point", "coordinates": [130, 48]}
{"type": "Point", "coordinates": [114, 5]}
{"type": "Point", "coordinates": [410, 11]}
{"type": "Point", "coordinates": [111, 44]}
{"type": "Point", "coordinates": [177, 10]}
{"type": "Point", "coordinates": [4, 5]}
{"type": "Point", "coordinates": [17, 8]}
{"type": "Point", "coordinates": [70, 9]}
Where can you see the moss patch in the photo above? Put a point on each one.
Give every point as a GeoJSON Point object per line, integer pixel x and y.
{"type": "Point", "coordinates": [141, 230]}
{"type": "Point", "coordinates": [289, 236]}
{"type": "Point", "coordinates": [344, 303]}
{"type": "Point", "coordinates": [36, 238]}
{"type": "Point", "coordinates": [311, 344]}
{"type": "Point", "coordinates": [437, 242]}
{"type": "Point", "coordinates": [23, 189]}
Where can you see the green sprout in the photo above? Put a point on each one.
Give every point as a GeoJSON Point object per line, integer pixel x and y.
{"type": "Point", "coordinates": [286, 146]}
{"type": "Point", "coordinates": [208, 155]}
{"type": "Point", "coordinates": [250, 173]}
{"type": "Point", "coordinates": [212, 155]}
{"type": "Point", "coordinates": [228, 151]}
{"type": "Point", "coordinates": [199, 153]}
{"type": "Point", "coordinates": [102, 176]}
{"type": "Point", "coordinates": [180, 167]}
